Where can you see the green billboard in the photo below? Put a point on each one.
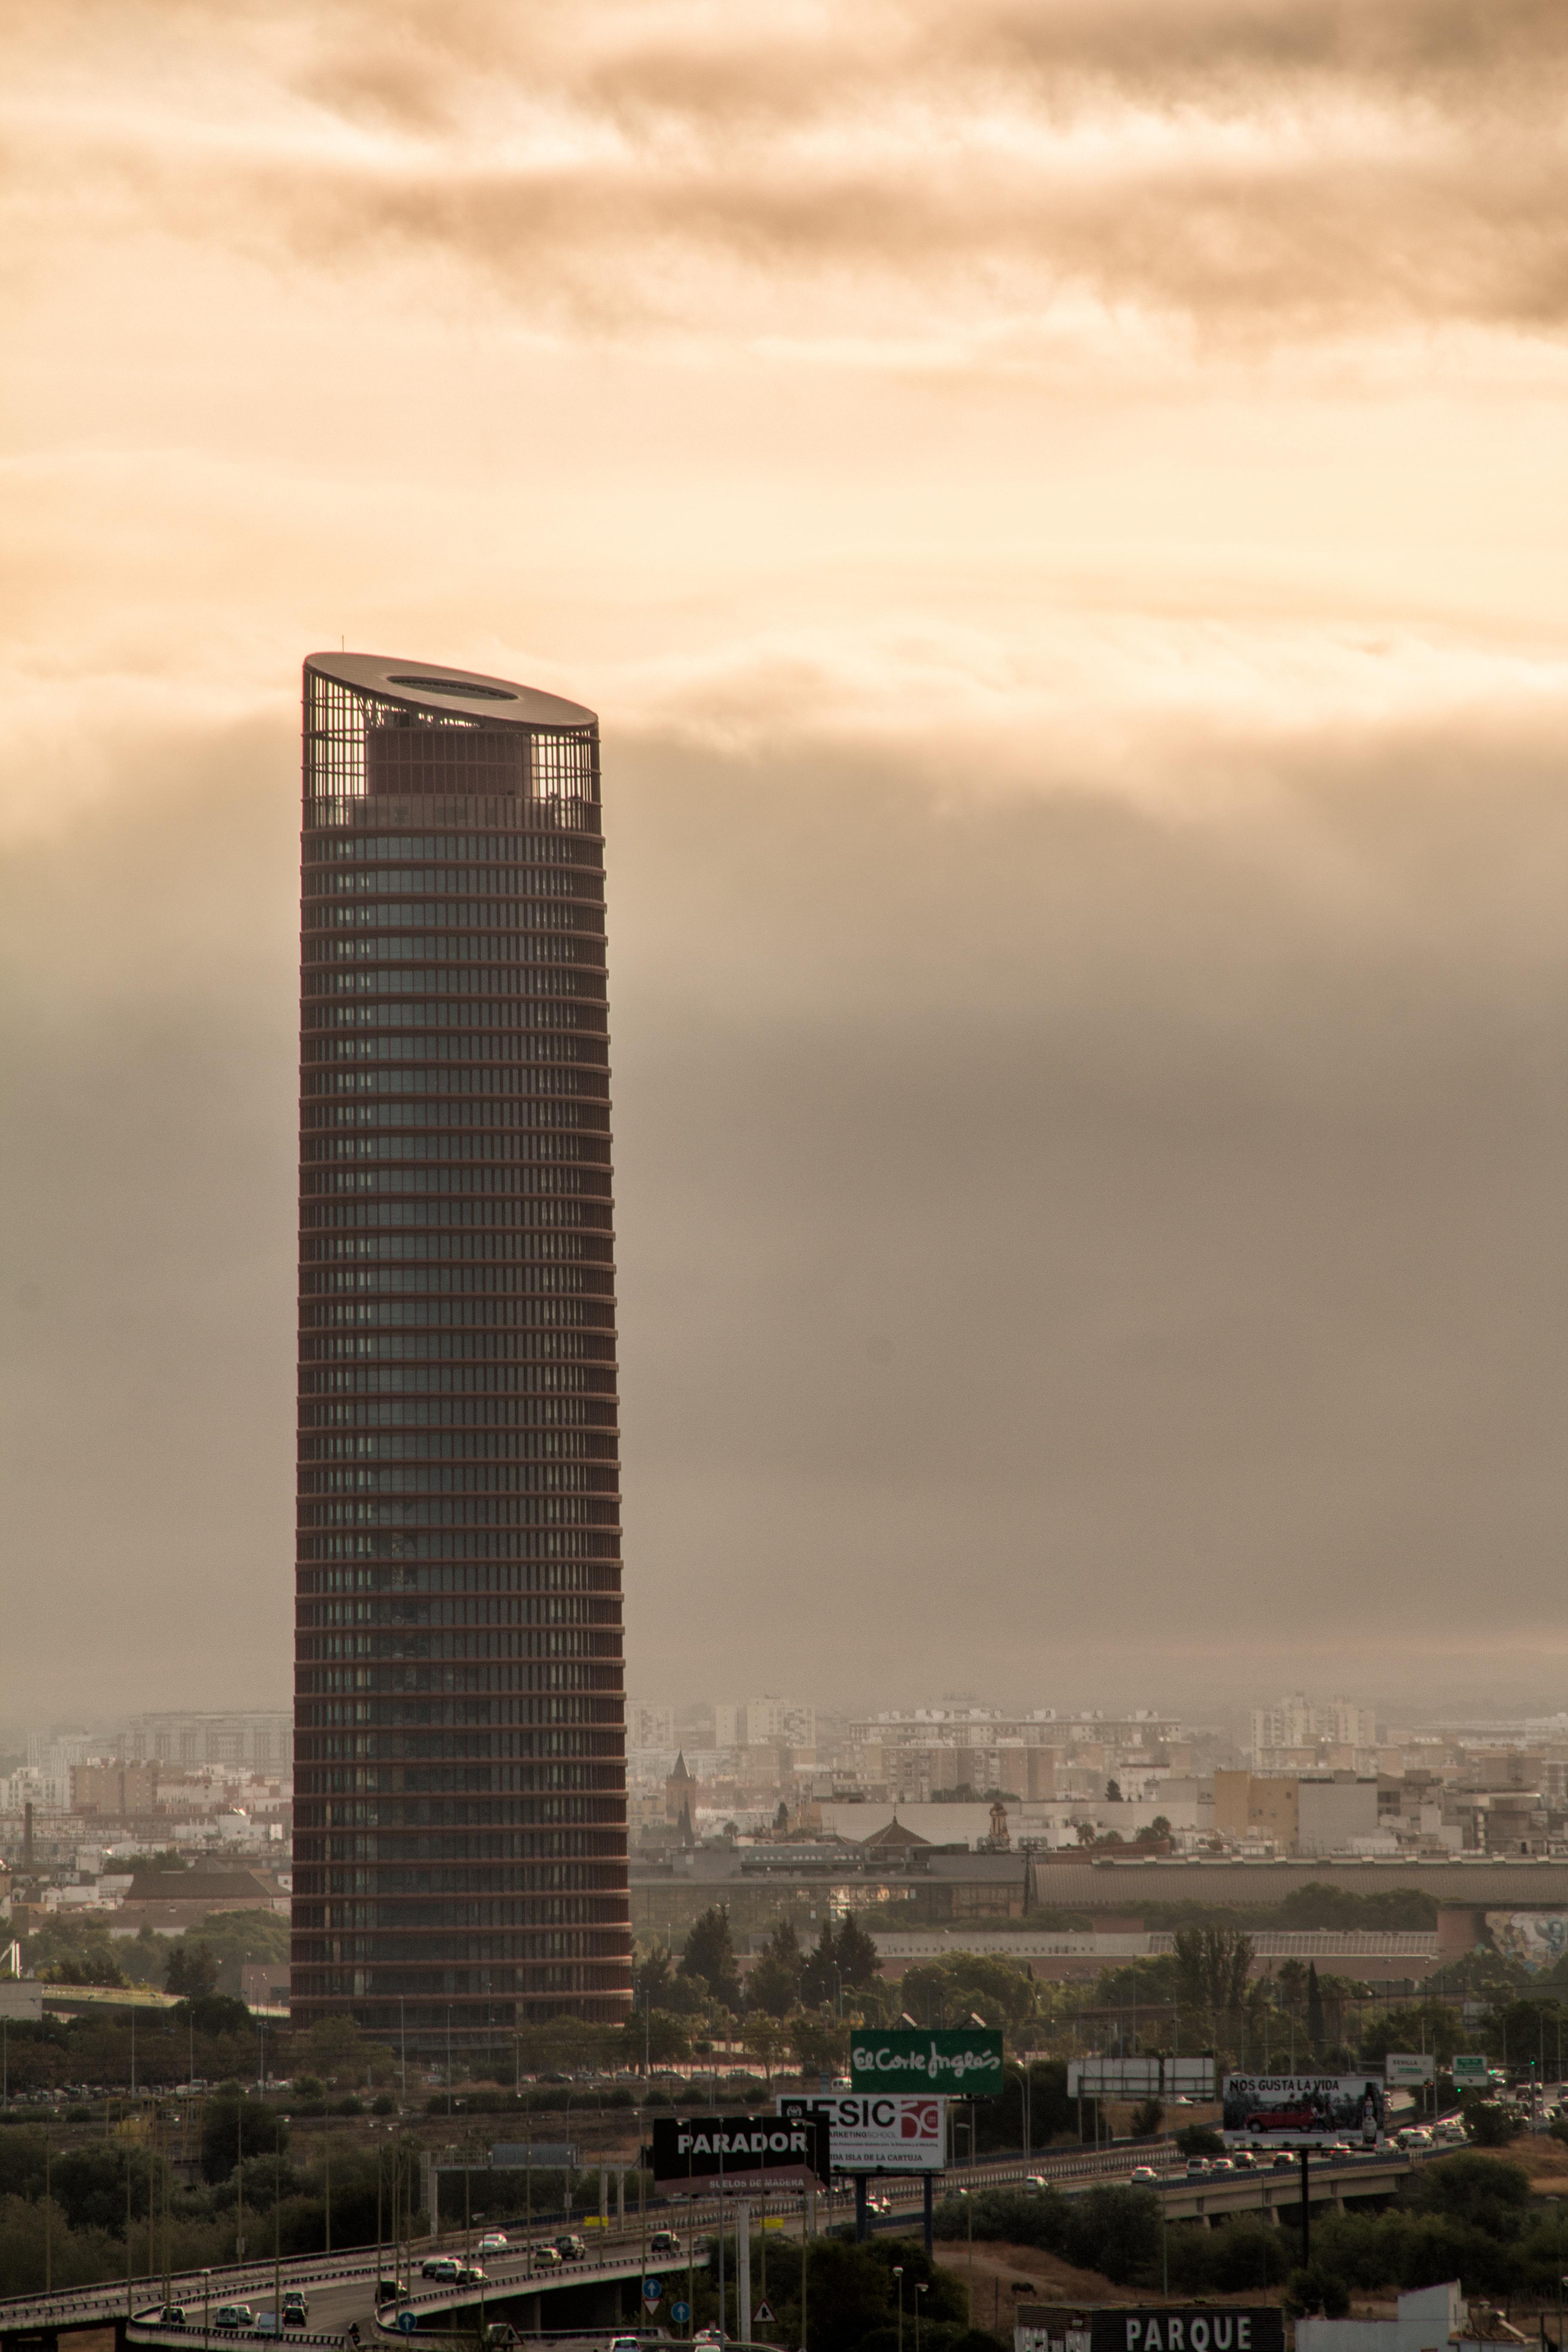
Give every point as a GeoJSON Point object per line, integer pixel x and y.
{"type": "Point", "coordinates": [965, 2059]}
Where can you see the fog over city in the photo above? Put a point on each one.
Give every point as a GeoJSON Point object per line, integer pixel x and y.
{"type": "Point", "coordinates": [1060, 513]}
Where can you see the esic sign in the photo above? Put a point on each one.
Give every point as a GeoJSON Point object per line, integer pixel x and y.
{"type": "Point", "coordinates": [881, 2131]}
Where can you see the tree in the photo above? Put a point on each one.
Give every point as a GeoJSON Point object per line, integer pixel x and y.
{"type": "Point", "coordinates": [1314, 2010]}
{"type": "Point", "coordinates": [1147, 2119]}
{"type": "Point", "coordinates": [231, 2125]}
{"type": "Point", "coordinates": [709, 1957]}
{"type": "Point", "coordinates": [999, 1990]}
{"type": "Point", "coordinates": [820, 1976]}
{"type": "Point", "coordinates": [86, 1969]}
{"type": "Point", "coordinates": [774, 1985]}
{"type": "Point", "coordinates": [650, 1979]}
{"type": "Point", "coordinates": [667, 2040]}
{"type": "Point", "coordinates": [1489, 2124]}
{"type": "Point", "coordinates": [1213, 1967]}
{"type": "Point", "coordinates": [191, 1970]}
{"type": "Point", "coordinates": [766, 2040]}
{"type": "Point", "coordinates": [820, 2047]}
{"type": "Point", "coordinates": [860, 1962]}
{"type": "Point", "coordinates": [1113, 1792]}
{"type": "Point", "coordinates": [1316, 2289]}
{"type": "Point", "coordinates": [234, 1937]}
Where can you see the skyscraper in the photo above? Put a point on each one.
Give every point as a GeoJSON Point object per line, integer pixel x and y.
{"type": "Point", "coordinates": [460, 1846]}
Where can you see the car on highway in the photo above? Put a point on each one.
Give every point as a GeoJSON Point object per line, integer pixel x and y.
{"type": "Point", "coordinates": [391, 2290]}
{"type": "Point", "coordinates": [234, 2314]}
{"type": "Point", "coordinates": [1221, 2164]}
{"type": "Point", "coordinates": [1243, 2160]}
{"type": "Point", "coordinates": [438, 2266]}
{"type": "Point", "coordinates": [171, 2315]}
{"type": "Point", "coordinates": [570, 2247]}
{"type": "Point", "coordinates": [1143, 2172]}
{"type": "Point", "coordinates": [624, 2344]}
{"type": "Point", "coordinates": [1284, 2160]}
{"type": "Point", "coordinates": [493, 2242]}
{"type": "Point", "coordinates": [1197, 2168]}
{"type": "Point", "coordinates": [664, 2242]}
{"type": "Point", "coordinates": [470, 2275]}
{"type": "Point", "coordinates": [296, 2310]}
{"type": "Point", "coordinates": [544, 2258]}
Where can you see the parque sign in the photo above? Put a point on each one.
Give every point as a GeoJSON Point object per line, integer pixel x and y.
{"type": "Point", "coordinates": [966, 2059]}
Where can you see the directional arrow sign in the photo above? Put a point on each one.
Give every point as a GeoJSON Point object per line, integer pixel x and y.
{"type": "Point", "coordinates": [652, 2291]}
{"type": "Point", "coordinates": [407, 2321]}
{"type": "Point", "coordinates": [681, 2313]}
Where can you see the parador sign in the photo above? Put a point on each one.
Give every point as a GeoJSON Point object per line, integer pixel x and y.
{"type": "Point", "coordinates": [966, 2059]}
{"type": "Point", "coordinates": [751, 2152]}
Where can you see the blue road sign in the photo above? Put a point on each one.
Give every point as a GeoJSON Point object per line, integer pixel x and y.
{"type": "Point", "coordinates": [681, 2313]}
{"type": "Point", "coordinates": [407, 2321]}
{"type": "Point", "coordinates": [652, 2289]}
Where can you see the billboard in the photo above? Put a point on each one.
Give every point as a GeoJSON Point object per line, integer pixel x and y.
{"type": "Point", "coordinates": [1402, 2069]}
{"type": "Point", "coordinates": [966, 2059]}
{"type": "Point", "coordinates": [1303, 2110]}
{"type": "Point", "coordinates": [1150, 2328]}
{"type": "Point", "coordinates": [1191, 2078]}
{"type": "Point", "coordinates": [1256, 2329]}
{"type": "Point", "coordinates": [1141, 2078]}
{"type": "Point", "coordinates": [879, 2131]}
{"type": "Point", "coordinates": [1538, 1939]}
{"type": "Point", "coordinates": [1114, 2078]}
{"type": "Point", "coordinates": [742, 2152]}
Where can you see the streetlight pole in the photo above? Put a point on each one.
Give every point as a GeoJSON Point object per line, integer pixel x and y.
{"type": "Point", "coordinates": [921, 2288]}
{"type": "Point", "coordinates": [899, 2274]}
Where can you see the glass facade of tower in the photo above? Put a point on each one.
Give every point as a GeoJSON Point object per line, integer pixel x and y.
{"type": "Point", "coordinates": [459, 1827]}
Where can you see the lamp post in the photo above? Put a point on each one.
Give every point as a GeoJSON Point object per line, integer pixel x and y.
{"type": "Point", "coordinates": [921, 2288]}
{"type": "Point", "coordinates": [899, 2274]}
{"type": "Point", "coordinates": [207, 2307]}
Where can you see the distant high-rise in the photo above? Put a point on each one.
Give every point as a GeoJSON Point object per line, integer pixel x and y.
{"type": "Point", "coordinates": [459, 1847]}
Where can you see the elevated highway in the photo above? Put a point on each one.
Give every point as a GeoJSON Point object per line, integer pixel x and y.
{"type": "Point", "coordinates": [601, 2291]}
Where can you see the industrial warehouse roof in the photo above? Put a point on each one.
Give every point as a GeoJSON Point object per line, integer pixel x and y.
{"type": "Point", "coordinates": [450, 693]}
{"type": "Point", "coordinates": [237, 1887]}
{"type": "Point", "coordinates": [1489, 1879]}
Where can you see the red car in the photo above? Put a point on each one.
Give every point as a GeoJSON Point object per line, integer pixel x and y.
{"type": "Point", "coordinates": [1283, 2119]}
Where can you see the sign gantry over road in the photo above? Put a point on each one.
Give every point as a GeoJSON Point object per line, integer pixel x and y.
{"type": "Point", "coordinates": [966, 2059]}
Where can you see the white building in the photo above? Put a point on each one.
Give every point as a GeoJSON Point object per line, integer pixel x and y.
{"type": "Point", "coordinates": [648, 1725]}
{"type": "Point", "coordinates": [1300, 1722]}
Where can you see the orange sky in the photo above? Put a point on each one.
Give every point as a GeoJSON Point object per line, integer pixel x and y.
{"type": "Point", "coordinates": [1114, 447]}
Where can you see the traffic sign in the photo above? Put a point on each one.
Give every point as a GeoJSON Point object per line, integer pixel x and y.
{"type": "Point", "coordinates": [652, 2291]}
{"type": "Point", "coordinates": [762, 2315]}
{"type": "Point", "coordinates": [681, 2313]}
{"type": "Point", "coordinates": [407, 2321]}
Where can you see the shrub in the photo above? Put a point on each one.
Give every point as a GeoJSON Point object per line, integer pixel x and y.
{"type": "Point", "coordinates": [1316, 2289]}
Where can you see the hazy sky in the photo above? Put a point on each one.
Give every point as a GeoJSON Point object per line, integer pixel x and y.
{"type": "Point", "coordinates": [1061, 509]}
